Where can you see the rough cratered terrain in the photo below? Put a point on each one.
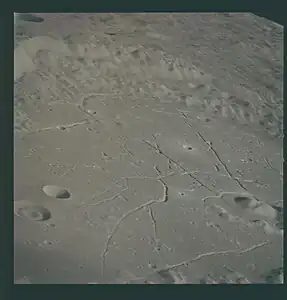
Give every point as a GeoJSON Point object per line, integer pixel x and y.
{"type": "Point", "coordinates": [148, 149]}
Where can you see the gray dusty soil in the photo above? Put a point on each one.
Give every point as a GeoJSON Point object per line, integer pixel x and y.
{"type": "Point", "coordinates": [148, 149]}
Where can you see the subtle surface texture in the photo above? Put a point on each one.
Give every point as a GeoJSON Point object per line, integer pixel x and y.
{"type": "Point", "coordinates": [148, 149]}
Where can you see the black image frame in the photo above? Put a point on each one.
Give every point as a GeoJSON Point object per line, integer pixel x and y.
{"type": "Point", "coordinates": [60, 291]}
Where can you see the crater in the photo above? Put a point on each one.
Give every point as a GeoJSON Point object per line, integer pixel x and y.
{"type": "Point", "coordinates": [34, 213]}
{"type": "Point", "coordinates": [243, 202]}
{"type": "Point", "coordinates": [56, 192]}
{"type": "Point", "coordinates": [256, 207]}
{"type": "Point", "coordinates": [188, 147]}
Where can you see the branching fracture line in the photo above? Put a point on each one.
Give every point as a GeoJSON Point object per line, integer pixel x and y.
{"type": "Point", "coordinates": [110, 198]}
{"type": "Point", "coordinates": [59, 127]}
{"type": "Point", "coordinates": [117, 226]}
{"type": "Point", "coordinates": [128, 178]}
{"type": "Point", "coordinates": [203, 255]}
{"type": "Point", "coordinates": [154, 225]}
{"type": "Point", "coordinates": [213, 253]}
{"type": "Point", "coordinates": [223, 164]}
{"type": "Point", "coordinates": [159, 151]}
{"type": "Point", "coordinates": [119, 222]}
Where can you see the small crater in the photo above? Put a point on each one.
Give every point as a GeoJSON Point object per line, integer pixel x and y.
{"type": "Point", "coordinates": [243, 201]}
{"type": "Point", "coordinates": [119, 124]}
{"type": "Point", "coordinates": [81, 59]}
{"type": "Point", "coordinates": [34, 213]}
{"type": "Point", "coordinates": [135, 54]}
{"type": "Point", "coordinates": [166, 276]}
{"type": "Point", "coordinates": [188, 147]}
{"type": "Point", "coordinates": [151, 265]}
{"type": "Point", "coordinates": [224, 215]}
{"type": "Point", "coordinates": [56, 192]}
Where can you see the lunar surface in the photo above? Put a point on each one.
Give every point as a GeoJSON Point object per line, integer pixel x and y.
{"type": "Point", "coordinates": [148, 149]}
